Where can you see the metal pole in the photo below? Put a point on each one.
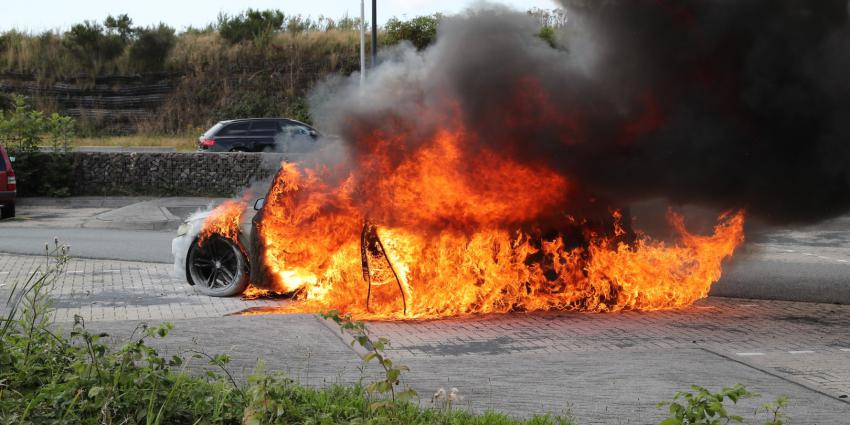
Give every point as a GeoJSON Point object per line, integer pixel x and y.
{"type": "Point", "coordinates": [362, 42]}
{"type": "Point", "coordinates": [374, 32]}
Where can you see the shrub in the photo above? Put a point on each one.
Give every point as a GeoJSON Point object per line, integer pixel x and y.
{"type": "Point", "coordinates": [22, 131]}
{"type": "Point", "coordinates": [550, 22]}
{"type": "Point", "coordinates": [151, 48]}
{"type": "Point", "coordinates": [21, 128]}
{"type": "Point", "coordinates": [421, 30]}
{"type": "Point", "coordinates": [547, 34]}
{"type": "Point", "coordinates": [91, 46]}
{"type": "Point", "coordinates": [346, 23]}
{"type": "Point", "coordinates": [250, 25]}
{"type": "Point", "coordinates": [702, 407]}
{"type": "Point", "coordinates": [46, 377]}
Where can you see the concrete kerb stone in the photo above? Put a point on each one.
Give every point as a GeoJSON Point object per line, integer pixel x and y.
{"type": "Point", "coordinates": [344, 336]}
{"type": "Point", "coordinates": [83, 201]}
{"type": "Point", "coordinates": [148, 215]}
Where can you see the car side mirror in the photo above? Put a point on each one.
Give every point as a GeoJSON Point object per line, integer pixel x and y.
{"type": "Point", "coordinates": [11, 159]}
{"type": "Point", "coordinates": [259, 204]}
{"type": "Point", "coordinates": [314, 133]}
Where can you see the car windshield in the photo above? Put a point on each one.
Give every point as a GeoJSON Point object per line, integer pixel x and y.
{"type": "Point", "coordinates": [298, 129]}
{"type": "Point", "coordinates": [296, 138]}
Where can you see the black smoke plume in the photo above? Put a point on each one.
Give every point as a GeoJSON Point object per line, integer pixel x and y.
{"type": "Point", "coordinates": [724, 103]}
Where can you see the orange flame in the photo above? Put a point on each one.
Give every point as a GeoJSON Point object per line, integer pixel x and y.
{"type": "Point", "coordinates": [253, 293]}
{"type": "Point", "coordinates": [449, 222]}
{"type": "Point", "coordinates": [224, 221]}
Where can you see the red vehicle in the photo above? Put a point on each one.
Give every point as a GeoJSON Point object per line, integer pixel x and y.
{"type": "Point", "coordinates": [8, 186]}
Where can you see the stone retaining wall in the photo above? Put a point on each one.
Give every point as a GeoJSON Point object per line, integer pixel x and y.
{"type": "Point", "coordinates": [143, 173]}
{"type": "Point", "coordinates": [175, 174]}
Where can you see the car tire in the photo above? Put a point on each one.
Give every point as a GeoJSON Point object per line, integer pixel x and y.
{"type": "Point", "coordinates": [217, 267]}
{"type": "Point", "coordinates": [8, 211]}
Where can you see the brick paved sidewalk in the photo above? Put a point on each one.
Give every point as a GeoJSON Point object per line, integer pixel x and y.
{"type": "Point", "coordinates": [111, 290]}
{"type": "Point", "coordinates": [604, 368]}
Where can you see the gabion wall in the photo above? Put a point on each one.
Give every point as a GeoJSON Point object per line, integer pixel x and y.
{"type": "Point", "coordinates": [173, 174]}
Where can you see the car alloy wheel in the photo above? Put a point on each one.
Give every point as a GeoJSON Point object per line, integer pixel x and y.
{"type": "Point", "coordinates": [217, 267]}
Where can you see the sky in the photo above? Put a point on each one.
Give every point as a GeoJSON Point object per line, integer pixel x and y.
{"type": "Point", "coordinates": [40, 15]}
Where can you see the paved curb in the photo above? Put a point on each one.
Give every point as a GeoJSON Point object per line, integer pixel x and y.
{"type": "Point", "coordinates": [84, 201]}
{"type": "Point", "coordinates": [345, 337]}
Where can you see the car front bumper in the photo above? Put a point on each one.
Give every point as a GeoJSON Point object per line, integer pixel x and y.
{"type": "Point", "coordinates": [179, 249]}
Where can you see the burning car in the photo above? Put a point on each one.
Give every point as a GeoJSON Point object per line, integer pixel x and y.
{"type": "Point", "coordinates": [306, 238]}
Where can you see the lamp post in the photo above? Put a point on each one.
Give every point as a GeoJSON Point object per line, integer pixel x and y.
{"type": "Point", "coordinates": [374, 32]}
{"type": "Point", "coordinates": [362, 42]}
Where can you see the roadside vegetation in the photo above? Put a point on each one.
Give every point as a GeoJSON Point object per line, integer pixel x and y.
{"type": "Point", "coordinates": [47, 377]}
{"type": "Point", "coordinates": [24, 131]}
{"type": "Point", "coordinates": [259, 63]}
{"type": "Point", "coordinates": [50, 375]}
{"type": "Point", "coordinates": [181, 142]}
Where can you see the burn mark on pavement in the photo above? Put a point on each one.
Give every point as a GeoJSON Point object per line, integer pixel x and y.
{"type": "Point", "coordinates": [500, 345]}
{"type": "Point", "coordinates": [834, 320]}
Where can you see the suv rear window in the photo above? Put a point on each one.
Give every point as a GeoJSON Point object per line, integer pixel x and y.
{"type": "Point", "coordinates": [264, 128]}
{"type": "Point", "coordinates": [212, 131]}
{"type": "Point", "coordinates": [238, 129]}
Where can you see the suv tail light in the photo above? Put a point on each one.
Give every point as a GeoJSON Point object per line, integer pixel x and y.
{"type": "Point", "coordinates": [11, 182]}
{"type": "Point", "coordinates": [206, 143]}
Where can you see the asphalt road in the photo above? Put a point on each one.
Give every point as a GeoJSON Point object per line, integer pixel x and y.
{"type": "Point", "coordinates": [109, 244]}
{"type": "Point", "coordinates": [810, 263]}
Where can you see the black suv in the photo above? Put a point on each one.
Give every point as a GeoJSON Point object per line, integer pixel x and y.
{"type": "Point", "coordinates": [259, 135]}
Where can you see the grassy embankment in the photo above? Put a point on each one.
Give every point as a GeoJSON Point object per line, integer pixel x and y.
{"type": "Point", "coordinates": [211, 79]}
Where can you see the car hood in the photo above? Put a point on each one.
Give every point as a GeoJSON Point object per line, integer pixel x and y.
{"type": "Point", "coordinates": [198, 216]}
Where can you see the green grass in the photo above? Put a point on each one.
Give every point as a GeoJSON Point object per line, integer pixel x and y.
{"type": "Point", "coordinates": [182, 143]}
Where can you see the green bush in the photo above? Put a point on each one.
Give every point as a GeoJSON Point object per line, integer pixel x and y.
{"type": "Point", "coordinates": [250, 25]}
{"type": "Point", "coordinates": [421, 30]}
{"type": "Point", "coordinates": [22, 132]}
{"type": "Point", "coordinates": [547, 34]}
{"type": "Point", "coordinates": [703, 407]}
{"type": "Point", "coordinates": [46, 377]}
{"type": "Point", "coordinates": [21, 127]}
{"type": "Point", "coordinates": [151, 48]}
{"type": "Point", "coordinates": [91, 46]}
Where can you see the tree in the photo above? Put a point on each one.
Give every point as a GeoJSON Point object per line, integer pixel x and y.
{"type": "Point", "coordinates": [88, 43]}
{"type": "Point", "coordinates": [121, 25]}
{"type": "Point", "coordinates": [151, 48]}
{"type": "Point", "coordinates": [421, 30]}
{"type": "Point", "coordinates": [250, 25]}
